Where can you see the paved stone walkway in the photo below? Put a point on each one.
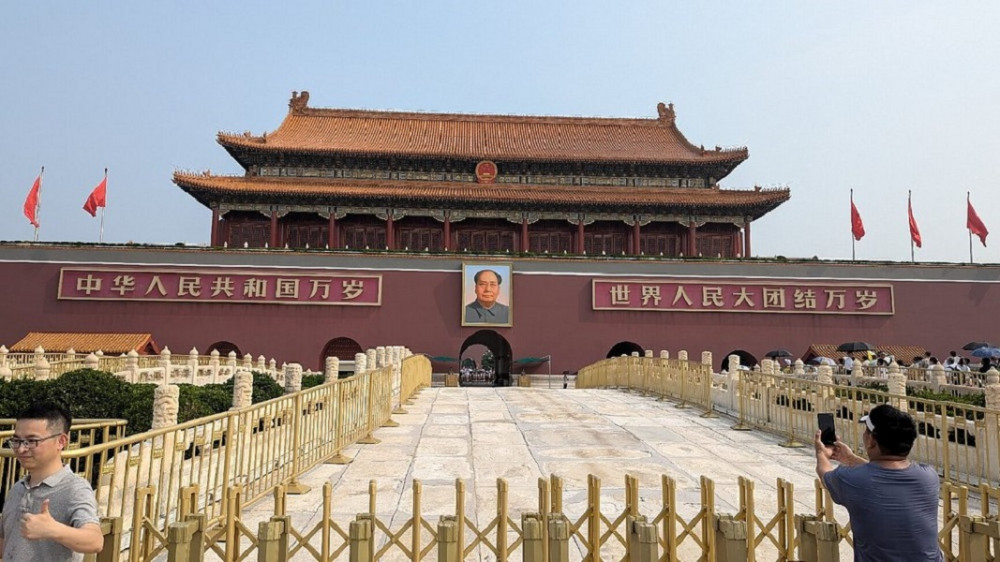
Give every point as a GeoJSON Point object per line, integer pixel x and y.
{"type": "Point", "coordinates": [522, 434]}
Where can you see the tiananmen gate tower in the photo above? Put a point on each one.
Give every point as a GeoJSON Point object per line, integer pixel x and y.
{"type": "Point", "coordinates": [552, 241]}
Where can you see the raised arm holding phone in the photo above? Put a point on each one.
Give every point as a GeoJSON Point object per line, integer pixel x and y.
{"type": "Point", "coordinates": [892, 502]}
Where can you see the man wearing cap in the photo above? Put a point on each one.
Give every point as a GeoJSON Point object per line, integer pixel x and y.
{"type": "Point", "coordinates": [893, 503]}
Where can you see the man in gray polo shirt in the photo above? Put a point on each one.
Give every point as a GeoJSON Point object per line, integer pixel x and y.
{"type": "Point", "coordinates": [49, 515]}
{"type": "Point", "coordinates": [893, 503]}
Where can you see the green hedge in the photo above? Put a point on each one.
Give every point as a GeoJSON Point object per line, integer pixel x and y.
{"type": "Point", "coordinates": [309, 381]}
{"type": "Point", "coordinates": [89, 393]}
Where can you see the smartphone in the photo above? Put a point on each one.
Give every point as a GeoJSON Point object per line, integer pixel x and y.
{"type": "Point", "coordinates": [829, 435]}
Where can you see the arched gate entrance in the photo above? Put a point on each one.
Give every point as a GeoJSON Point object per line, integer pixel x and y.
{"type": "Point", "coordinates": [499, 347]}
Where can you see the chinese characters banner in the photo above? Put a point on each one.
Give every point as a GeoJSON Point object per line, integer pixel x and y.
{"type": "Point", "coordinates": [219, 286]}
{"type": "Point", "coordinates": [701, 295]}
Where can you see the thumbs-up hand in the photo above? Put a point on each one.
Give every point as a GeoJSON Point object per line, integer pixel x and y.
{"type": "Point", "coordinates": [39, 525]}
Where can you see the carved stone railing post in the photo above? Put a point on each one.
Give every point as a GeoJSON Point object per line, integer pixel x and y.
{"type": "Point", "coordinates": [897, 386]}
{"type": "Point", "coordinates": [232, 363]}
{"type": "Point", "coordinates": [332, 369]}
{"type": "Point", "coordinates": [166, 400]}
{"type": "Point", "coordinates": [165, 364]}
{"type": "Point", "coordinates": [733, 363]}
{"type": "Point", "coordinates": [648, 353]}
{"type": "Point", "coordinates": [273, 366]}
{"type": "Point", "coordinates": [193, 365]}
{"type": "Point", "coordinates": [372, 360]}
{"type": "Point", "coordinates": [91, 361]}
{"type": "Point", "coordinates": [993, 389]}
{"type": "Point", "coordinates": [261, 364]}
{"type": "Point", "coordinates": [939, 377]}
{"type": "Point", "coordinates": [360, 363]}
{"type": "Point", "coordinates": [799, 367]}
{"type": "Point", "coordinates": [293, 378]}
{"type": "Point", "coordinates": [825, 375]}
{"type": "Point", "coordinates": [70, 355]}
{"type": "Point", "coordinates": [3, 355]}
{"type": "Point", "coordinates": [242, 389]}
{"type": "Point", "coordinates": [248, 362]}
{"type": "Point", "coordinates": [5, 372]}
{"type": "Point", "coordinates": [213, 364]}
{"type": "Point", "coordinates": [132, 365]}
{"type": "Point", "coordinates": [764, 367]}
{"type": "Point", "coordinates": [380, 357]}
{"type": "Point", "coordinates": [42, 367]}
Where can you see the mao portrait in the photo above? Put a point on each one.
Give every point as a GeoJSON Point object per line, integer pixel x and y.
{"type": "Point", "coordinates": [486, 295]}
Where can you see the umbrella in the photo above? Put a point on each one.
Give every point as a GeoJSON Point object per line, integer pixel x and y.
{"type": "Point", "coordinates": [853, 346]}
{"type": "Point", "coordinates": [531, 360]}
{"type": "Point", "coordinates": [774, 354]}
{"type": "Point", "coordinates": [443, 359]}
{"type": "Point", "coordinates": [976, 345]}
{"type": "Point", "coordinates": [822, 361]}
{"type": "Point", "coordinates": [992, 352]}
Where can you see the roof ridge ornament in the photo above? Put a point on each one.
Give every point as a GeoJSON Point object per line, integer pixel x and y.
{"type": "Point", "coordinates": [298, 102]}
{"type": "Point", "coordinates": [666, 113]}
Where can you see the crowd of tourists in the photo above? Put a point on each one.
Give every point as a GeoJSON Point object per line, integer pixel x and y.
{"type": "Point", "coordinates": [919, 368]}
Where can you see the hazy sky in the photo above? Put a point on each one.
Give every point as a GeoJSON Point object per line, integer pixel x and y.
{"type": "Point", "coordinates": [880, 97]}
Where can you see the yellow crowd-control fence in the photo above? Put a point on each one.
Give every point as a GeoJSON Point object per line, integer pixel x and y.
{"type": "Point", "coordinates": [623, 522]}
{"type": "Point", "coordinates": [961, 440]}
{"type": "Point", "coordinates": [253, 449]}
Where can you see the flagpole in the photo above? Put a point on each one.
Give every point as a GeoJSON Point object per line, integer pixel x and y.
{"type": "Point", "coordinates": [100, 238]}
{"type": "Point", "coordinates": [852, 225]}
{"type": "Point", "coordinates": [968, 203]}
{"type": "Point", "coordinates": [909, 213]}
{"type": "Point", "coordinates": [38, 204]}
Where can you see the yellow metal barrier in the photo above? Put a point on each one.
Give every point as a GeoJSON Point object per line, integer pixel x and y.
{"type": "Point", "coordinates": [961, 440]}
{"type": "Point", "coordinates": [226, 461]}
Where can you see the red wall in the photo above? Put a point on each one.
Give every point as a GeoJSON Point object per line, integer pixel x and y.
{"type": "Point", "coordinates": [939, 308]}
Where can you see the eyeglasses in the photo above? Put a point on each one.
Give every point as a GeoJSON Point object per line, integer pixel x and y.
{"type": "Point", "coordinates": [15, 443]}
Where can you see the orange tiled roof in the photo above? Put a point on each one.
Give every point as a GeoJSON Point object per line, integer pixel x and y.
{"type": "Point", "coordinates": [479, 137]}
{"type": "Point", "coordinates": [904, 353]}
{"type": "Point", "coordinates": [200, 185]}
{"type": "Point", "coordinates": [82, 342]}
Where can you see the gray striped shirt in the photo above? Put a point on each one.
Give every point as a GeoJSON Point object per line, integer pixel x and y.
{"type": "Point", "coordinates": [71, 501]}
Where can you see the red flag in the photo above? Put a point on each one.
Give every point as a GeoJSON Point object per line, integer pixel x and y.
{"type": "Point", "coordinates": [914, 230]}
{"type": "Point", "coordinates": [98, 198]}
{"type": "Point", "coordinates": [857, 227]}
{"type": "Point", "coordinates": [31, 203]}
{"type": "Point", "coordinates": [975, 224]}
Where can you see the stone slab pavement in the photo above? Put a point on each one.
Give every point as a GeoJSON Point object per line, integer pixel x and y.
{"type": "Point", "coordinates": [523, 434]}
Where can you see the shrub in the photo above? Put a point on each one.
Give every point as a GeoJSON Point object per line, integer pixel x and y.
{"type": "Point", "coordinates": [18, 394]}
{"type": "Point", "coordinates": [139, 410]}
{"type": "Point", "coordinates": [199, 401]}
{"type": "Point", "coordinates": [90, 393]}
{"type": "Point", "coordinates": [264, 387]}
{"type": "Point", "coordinates": [309, 381]}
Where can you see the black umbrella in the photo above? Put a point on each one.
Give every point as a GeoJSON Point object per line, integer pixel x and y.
{"type": "Point", "coordinates": [852, 346]}
{"type": "Point", "coordinates": [976, 345]}
{"type": "Point", "coordinates": [774, 354]}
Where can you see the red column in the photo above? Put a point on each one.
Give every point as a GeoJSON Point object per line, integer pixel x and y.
{"type": "Point", "coordinates": [331, 235]}
{"type": "Point", "coordinates": [635, 237]}
{"type": "Point", "coordinates": [274, 229]}
{"type": "Point", "coordinates": [692, 241]}
{"type": "Point", "coordinates": [447, 232]}
{"type": "Point", "coordinates": [525, 243]}
{"type": "Point", "coordinates": [390, 235]}
{"type": "Point", "coordinates": [580, 246]}
{"type": "Point", "coordinates": [746, 239]}
{"type": "Point", "coordinates": [215, 228]}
